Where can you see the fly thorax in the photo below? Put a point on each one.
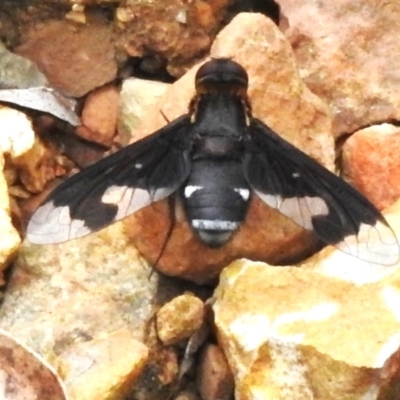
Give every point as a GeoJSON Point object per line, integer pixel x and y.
{"type": "Point", "coordinates": [217, 146]}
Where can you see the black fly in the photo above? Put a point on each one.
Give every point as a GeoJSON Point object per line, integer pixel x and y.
{"type": "Point", "coordinates": [216, 158]}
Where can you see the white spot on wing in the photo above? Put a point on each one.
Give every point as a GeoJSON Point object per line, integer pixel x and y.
{"type": "Point", "coordinates": [214, 225]}
{"type": "Point", "coordinates": [244, 193]}
{"type": "Point", "coordinates": [113, 194]}
{"type": "Point", "coordinates": [300, 210]}
{"type": "Point", "coordinates": [130, 199]}
{"type": "Point", "coordinates": [190, 189]}
{"type": "Point", "coordinates": [52, 224]}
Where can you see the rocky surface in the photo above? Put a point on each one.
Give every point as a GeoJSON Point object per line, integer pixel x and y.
{"type": "Point", "coordinates": [89, 311]}
{"type": "Point", "coordinates": [326, 330]}
{"type": "Point", "coordinates": [174, 31]}
{"type": "Point", "coordinates": [171, 33]}
{"type": "Point", "coordinates": [347, 52]}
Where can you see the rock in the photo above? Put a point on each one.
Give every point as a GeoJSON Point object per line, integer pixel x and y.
{"type": "Point", "coordinates": [71, 304]}
{"type": "Point", "coordinates": [10, 239]}
{"type": "Point", "coordinates": [38, 166]}
{"type": "Point", "coordinates": [18, 72]}
{"type": "Point", "coordinates": [75, 58]}
{"type": "Point", "coordinates": [136, 97]}
{"type": "Point", "coordinates": [276, 92]}
{"type": "Point", "coordinates": [214, 377]}
{"type": "Point", "coordinates": [296, 333]}
{"type": "Point", "coordinates": [177, 32]}
{"type": "Point", "coordinates": [371, 163]}
{"type": "Point", "coordinates": [17, 134]}
{"type": "Point", "coordinates": [99, 115]}
{"type": "Point", "coordinates": [347, 56]}
{"type": "Point", "coordinates": [16, 138]}
{"type": "Point", "coordinates": [159, 376]}
{"type": "Point", "coordinates": [172, 31]}
{"type": "Point", "coordinates": [35, 163]}
{"type": "Point", "coordinates": [30, 166]}
{"type": "Point", "coordinates": [105, 367]}
{"type": "Point", "coordinates": [180, 318]}
{"type": "Point", "coordinates": [25, 375]}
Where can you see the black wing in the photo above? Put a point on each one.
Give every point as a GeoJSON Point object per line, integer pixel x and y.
{"type": "Point", "coordinates": [119, 185]}
{"type": "Point", "coordinates": [290, 181]}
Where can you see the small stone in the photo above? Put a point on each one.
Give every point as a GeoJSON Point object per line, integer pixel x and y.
{"type": "Point", "coordinates": [136, 98]}
{"type": "Point", "coordinates": [180, 318]}
{"type": "Point", "coordinates": [77, 14]}
{"type": "Point", "coordinates": [113, 364]}
{"type": "Point", "coordinates": [99, 115]}
{"type": "Point", "coordinates": [214, 377]}
{"type": "Point", "coordinates": [38, 166]}
{"type": "Point", "coordinates": [371, 163]}
{"type": "Point", "coordinates": [75, 58]}
{"type": "Point", "coordinates": [124, 14]}
{"type": "Point", "coordinates": [18, 72]}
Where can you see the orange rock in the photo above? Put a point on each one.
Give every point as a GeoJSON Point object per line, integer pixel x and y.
{"type": "Point", "coordinates": [75, 58]}
{"type": "Point", "coordinates": [348, 56]}
{"type": "Point", "coordinates": [180, 318]}
{"type": "Point", "coordinates": [371, 163]}
{"type": "Point", "coordinates": [115, 362]}
{"type": "Point", "coordinates": [214, 378]}
{"type": "Point", "coordinates": [267, 235]}
{"type": "Point", "coordinates": [100, 114]}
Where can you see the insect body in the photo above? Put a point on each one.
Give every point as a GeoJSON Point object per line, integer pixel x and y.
{"type": "Point", "coordinates": [216, 159]}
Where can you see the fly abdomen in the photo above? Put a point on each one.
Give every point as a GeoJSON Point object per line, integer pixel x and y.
{"type": "Point", "coordinates": [215, 199]}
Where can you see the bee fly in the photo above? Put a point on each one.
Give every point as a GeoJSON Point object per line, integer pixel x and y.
{"type": "Point", "coordinates": [216, 158]}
